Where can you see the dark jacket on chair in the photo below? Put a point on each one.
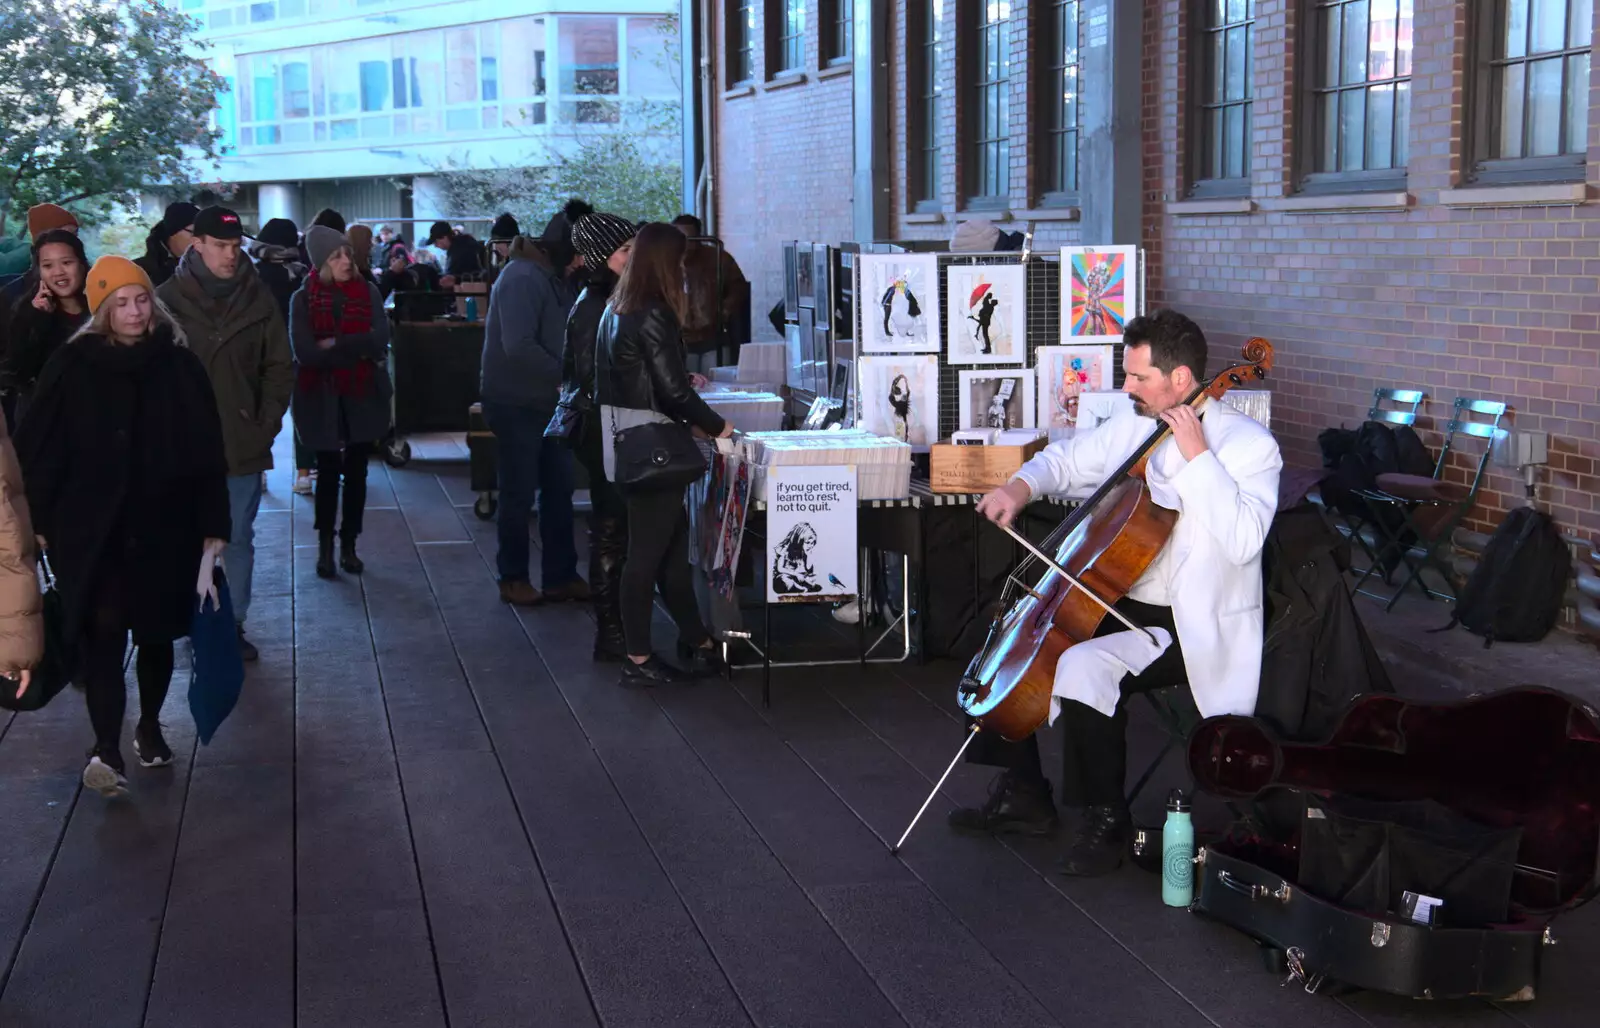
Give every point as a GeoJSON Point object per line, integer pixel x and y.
{"type": "Point", "coordinates": [643, 356]}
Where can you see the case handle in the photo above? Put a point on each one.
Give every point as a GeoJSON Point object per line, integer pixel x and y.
{"type": "Point", "coordinates": [1254, 892]}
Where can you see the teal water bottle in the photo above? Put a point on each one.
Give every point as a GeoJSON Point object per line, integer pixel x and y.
{"type": "Point", "coordinates": [1177, 852]}
{"type": "Point", "coordinates": [472, 308]}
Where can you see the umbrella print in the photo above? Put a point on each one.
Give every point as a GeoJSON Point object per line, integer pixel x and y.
{"type": "Point", "coordinates": [977, 294]}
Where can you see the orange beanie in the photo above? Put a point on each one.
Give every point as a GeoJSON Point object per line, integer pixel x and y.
{"type": "Point", "coordinates": [109, 274]}
{"type": "Point", "coordinates": [46, 216]}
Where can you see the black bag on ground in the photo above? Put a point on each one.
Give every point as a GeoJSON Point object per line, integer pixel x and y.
{"type": "Point", "coordinates": [54, 670]}
{"type": "Point", "coordinates": [1516, 591]}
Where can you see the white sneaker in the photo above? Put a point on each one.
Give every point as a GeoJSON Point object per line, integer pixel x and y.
{"type": "Point", "coordinates": [850, 613]}
{"type": "Point", "coordinates": [302, 484]}
{"type": "Point", "coordinates": [103, 778]}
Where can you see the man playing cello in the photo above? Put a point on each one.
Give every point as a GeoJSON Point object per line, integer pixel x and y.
{"type": "Point", "coordinates": [1219, 470]}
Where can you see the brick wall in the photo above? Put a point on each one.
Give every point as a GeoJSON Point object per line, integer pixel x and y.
{"type": "Point", "coordinates": [1493, 302]}
{"type": "Point", "coordinates": [1496, 303]}
{"type": "Point", "coordinates": [783, 160]}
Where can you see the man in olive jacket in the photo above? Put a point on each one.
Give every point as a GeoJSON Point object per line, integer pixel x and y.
{"type": "Point", "coordinates": [234, 327]}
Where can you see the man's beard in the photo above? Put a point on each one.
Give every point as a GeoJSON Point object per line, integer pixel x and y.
{"type": "Point", "coordinates": [1141, 408]}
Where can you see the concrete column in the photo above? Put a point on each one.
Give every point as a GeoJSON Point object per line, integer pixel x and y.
{"type": "Point", "coordinates": [1110, 91]}
{"type": "Point", "coordinates": [870, 78]}
{"type": "Point", "coordinates": [427, 200]}
{"type": "Point", "coordinates": [279, 200]}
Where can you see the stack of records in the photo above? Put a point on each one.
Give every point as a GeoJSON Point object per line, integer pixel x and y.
{"type": "Point", "coordinates": [883, 465]}
{"type": "Point", "coordinates": [750, 410]}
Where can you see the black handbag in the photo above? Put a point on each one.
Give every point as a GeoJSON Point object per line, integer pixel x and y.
{"type": "Point", "coordinates": [53, 672]}
{"type": "Point", "coordinates": [657, 455]}
{"type": "Point", "coordinates": [567, 422]}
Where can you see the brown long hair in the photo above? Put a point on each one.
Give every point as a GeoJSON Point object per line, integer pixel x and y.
{"type": "Point", "coordinates": [654, 273]}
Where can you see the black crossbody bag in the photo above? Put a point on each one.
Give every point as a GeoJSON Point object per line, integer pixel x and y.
{"type": "Point", "coordinates": [652, 455]}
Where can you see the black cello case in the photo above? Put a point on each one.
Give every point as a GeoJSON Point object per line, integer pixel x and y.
{"type": "Point", "coordinates": [1490, 805]}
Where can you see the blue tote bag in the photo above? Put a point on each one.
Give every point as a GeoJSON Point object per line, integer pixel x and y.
{"type": "Point", "coordinates": [216, 674]}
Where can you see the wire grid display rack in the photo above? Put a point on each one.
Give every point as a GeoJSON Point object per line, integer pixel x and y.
{"type": "Point", "coordinates": [1042, 307]}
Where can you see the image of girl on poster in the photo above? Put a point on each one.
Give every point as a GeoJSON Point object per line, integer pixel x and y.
{"type": "Point", "coordinates": [791, 565]}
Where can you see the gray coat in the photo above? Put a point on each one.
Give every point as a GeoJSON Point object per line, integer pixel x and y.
{"type": "Point", "coordinates": [525, 332]}
{"type": "Point", "coordinates": [325, 418]}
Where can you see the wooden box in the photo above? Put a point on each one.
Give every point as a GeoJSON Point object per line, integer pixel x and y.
{"type": "Point", "coordinates": [976, 469]}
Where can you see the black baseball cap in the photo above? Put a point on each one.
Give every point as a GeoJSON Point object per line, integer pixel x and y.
{"type": "Point", "coordinates": [440, 230]}
{"type": "Point", "coordinates": [218, 223]}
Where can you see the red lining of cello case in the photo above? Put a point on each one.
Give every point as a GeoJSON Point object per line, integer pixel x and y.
{"type": "Point", "coordinates": [1525, 757]}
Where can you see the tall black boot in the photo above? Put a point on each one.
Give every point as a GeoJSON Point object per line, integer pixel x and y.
{"type": "Point", "coordinates": [348, 560]}
{"type": "Point", "coordinates": [607, 550]}
{"type": "Point", "coordinates": [325, 565]}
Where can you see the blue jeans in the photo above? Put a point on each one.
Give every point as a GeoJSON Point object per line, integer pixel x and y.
{"type": "Point", "coordinates": [244, 503]}
{"type": "Point", "coordinates": [528, 462]}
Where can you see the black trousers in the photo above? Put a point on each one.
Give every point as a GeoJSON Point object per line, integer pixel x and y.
{"type": "Point", "coordinates": [349, 464]}
{"type": "Point", "coordinates": [658, 555]}
{"type": "Point", "coordinates": [1094, 747]}
{"type": "Point", "coordinates": [105, 643]}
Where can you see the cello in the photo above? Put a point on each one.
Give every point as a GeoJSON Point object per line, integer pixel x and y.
{"type": "Point", "coordinates": [1090, 562]}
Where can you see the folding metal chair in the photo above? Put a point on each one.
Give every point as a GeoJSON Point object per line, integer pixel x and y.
{"type": "Point", "coordinates": [1431, 507]}
{"type": "Point", "coordinates": [1175, 709]}
{"type": "Point", "coordinates": [1404, 412]}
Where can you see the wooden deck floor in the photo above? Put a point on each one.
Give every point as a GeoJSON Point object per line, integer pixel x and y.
{"type": "Point", "coordinates": [433, 811]}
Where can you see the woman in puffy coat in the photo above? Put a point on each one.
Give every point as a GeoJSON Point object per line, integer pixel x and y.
{"type": "Point", "coordinates": [340, 336]}
{"type": "Point", "coordinates": [126, 475]}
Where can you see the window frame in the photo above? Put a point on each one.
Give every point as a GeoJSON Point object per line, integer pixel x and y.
{"type": "Point", "coordinates": [739, 48]}
{"type": "Point", "coordinates": [1201, 184]}
{"type": "Point", "coordinates": [1309, 88]}
{"type": "Point", "coordinates": [836, 32]}
{"type": "Point", "coordinates": [924, 109]}
{"type": "Point", "coordinates": [1482, 123]}
{"type": "Point", "coordinates": [1050, 106]}
{"type": "Point", "coordinates": [971, 27]}
{"type": "Point", "coordinates": [776, 13]}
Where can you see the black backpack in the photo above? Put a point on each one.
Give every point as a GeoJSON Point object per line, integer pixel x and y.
{"type": "Point", "coordinates": [1516, 591]}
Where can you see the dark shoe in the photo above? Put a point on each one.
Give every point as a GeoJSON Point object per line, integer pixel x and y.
{"type": "Point", "coordinates": [348, 560]}
{"type": "Point", "coordinates": [325, 568]}
{"type": "Point", "coordinates": [1015, 807]}
{"type": "Point", "coordinates": [703, 661]}
{"type": "Point", "coordinates": [151, 747]}
{"type": "Point", "coordinates": [105, 773]}
{"type": "Point", "coordinates": [577, 590]}
{"type": "Point", "coordinates": [1100, 845]}
{"type": "Point", "coordinates": [654, 671]}
{"type": "Point", "coordinates": [609, 644]}
{"type": "Point", "coordinates": [247, 649]}
{"type": "Point", "coordinates": [519, 593]}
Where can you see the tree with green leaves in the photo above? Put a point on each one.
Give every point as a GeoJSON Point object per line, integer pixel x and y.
{"type": "Point", "coordinates": [98, 98]}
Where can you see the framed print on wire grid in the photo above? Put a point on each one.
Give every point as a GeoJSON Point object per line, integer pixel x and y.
{"type": "Point", "coordinates": [987, 313]}
{"type": "Point", "coordinates": [900, 398]}
{"type": "Point", "coordinates": [996, 398]}
{"type": "Point", "coordinates": [899, 303]}
{"type": "Point", "coordinates": [1099, 292]}
{"type": "Point", "coordinates": [1095, 409]}
{"type": "Point", "coordinates": [1065, 374]}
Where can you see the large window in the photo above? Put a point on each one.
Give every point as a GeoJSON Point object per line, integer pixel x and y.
{"type": "Point", "coordinates": [1224, 73]}
{"type": "Point", "coordinates": [988, 123]}
{"type": "Point", "coordinates": [1532, 89]}
{"type": "Point", "coordinates": [786, 33]}
{"type": "Point", "coordinates": [1060, 100]}
{"type": "Point", "coordinates": [1358, 94]}
{"type": "Point", "coordinates": [490, 77]}
{"type": "Point", "coordinates": [838, 29]}
{"type": "Point", "coordinates": [923, 102]}
{"type": "Point", "coordinates": [740, 36]}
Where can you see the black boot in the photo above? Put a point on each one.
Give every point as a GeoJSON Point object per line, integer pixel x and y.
{"type": "Point", "coordinates": [1101, 843]}
{"type": "Point", "coordinates": [348, 560]}
{"type": "Point", "coordinates": [1015, 807]}
{"type": "Point", "coordinates": [325, 566]}
{"type": "Point", "coordinates": [608, 547]}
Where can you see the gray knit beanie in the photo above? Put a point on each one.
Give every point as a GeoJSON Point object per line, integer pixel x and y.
{"type": "Point", "coordinates": [321, 242]}
{"type": "Point", "coordinates": [598, 236]}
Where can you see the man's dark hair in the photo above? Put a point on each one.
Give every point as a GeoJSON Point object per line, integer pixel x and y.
{"type": "Point", "coordinates": [440, 230]}
{"type": "Point", "coordinates": [691, 222]}
{"type": "Point", "coordinates": [330, 218]}
{"type": "Point", "coordinates": [1175, 341]}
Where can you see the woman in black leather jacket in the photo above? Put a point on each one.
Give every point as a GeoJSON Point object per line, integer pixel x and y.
{"type": "Point", "coordinates": [604, 241]}
{"type": "Point", "coordinates": [640, 346]}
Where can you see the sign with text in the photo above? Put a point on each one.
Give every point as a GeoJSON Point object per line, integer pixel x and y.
{"type": "Point", "coordinates": [811, 533]}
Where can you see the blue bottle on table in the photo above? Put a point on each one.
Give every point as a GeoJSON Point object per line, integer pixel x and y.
{"type": "Point", "coordinates": [472, 308]}
{"type": "Point", "coordinates": [1177, 852]}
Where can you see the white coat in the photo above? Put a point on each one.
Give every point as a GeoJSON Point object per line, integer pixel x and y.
{"type": "Point", "coordinates": [1226, 499]}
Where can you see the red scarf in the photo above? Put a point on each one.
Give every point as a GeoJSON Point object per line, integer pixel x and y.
{"type": "Point", "coordinates": [339, 309]}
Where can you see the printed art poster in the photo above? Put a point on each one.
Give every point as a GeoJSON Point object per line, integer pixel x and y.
{"type": "Point", "coordinates": [996, 398]}
{"type": "Point", "coordinates": [900, 303]}
{"type": "Point", "coordinates": [1099, 292]}
{"type": "Point", "coordinates": [1095, 409]}
{"type": "Point", "coordinates": [1065, 374]}
{"type": "Point", "coordinates": [987, 313]}
{"type": "Point", "coordinates": [811, 533]}
{"type": "Point", "coordinates": [900, 398]}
